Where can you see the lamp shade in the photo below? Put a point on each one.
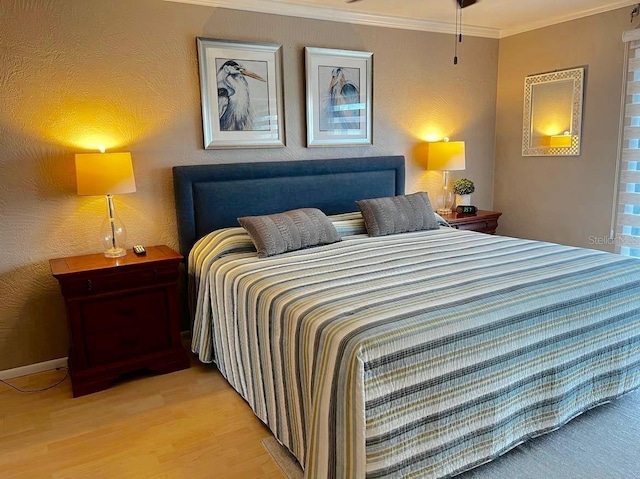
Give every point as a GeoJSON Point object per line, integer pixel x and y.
{"type": "Point", "coordinates": [560, 141]}
{"type": "Point", "coordinates": [446, 155]}
{"type": "Point", "coordinates": [104, 173]}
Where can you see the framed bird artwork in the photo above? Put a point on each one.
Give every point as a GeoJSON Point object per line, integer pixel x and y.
{"type": "Point", "coordinates": [241, 94]}
{"type": "Point", "coordinates": [339, 97]}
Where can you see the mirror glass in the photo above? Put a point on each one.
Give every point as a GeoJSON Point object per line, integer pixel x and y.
{"type": "Point", "coordinates": [553, 113]}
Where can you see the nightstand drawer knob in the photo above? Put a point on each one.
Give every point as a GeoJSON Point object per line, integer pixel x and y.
{"type": "Point", "coordinates": [155, 273]}
{"type": "Point", "coordinates": [126, 311]}
{"type": "Point", "coordinates": [89, 285]}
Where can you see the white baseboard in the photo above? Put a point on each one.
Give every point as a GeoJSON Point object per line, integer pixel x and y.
{"type": "Point", "coordinates": [33, 368]}
{"type": "Point", "coordinates": [54, 363]}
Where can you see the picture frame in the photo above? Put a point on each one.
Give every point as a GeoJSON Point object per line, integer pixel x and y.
{"type": "Point", "coordinates": [552, 113]}
{"type": "Point", "coordinates": [339, 97]}
{"type": "Point", "coordinates": [241, 94]}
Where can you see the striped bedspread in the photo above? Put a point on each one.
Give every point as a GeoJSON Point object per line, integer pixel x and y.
{"type": "Point", "coordinates": [416, 355]}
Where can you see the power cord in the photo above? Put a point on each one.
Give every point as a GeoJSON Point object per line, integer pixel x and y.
{"type": "Point", "coordinates": [29, 391]}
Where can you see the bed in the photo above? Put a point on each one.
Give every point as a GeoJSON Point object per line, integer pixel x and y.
{"type": "Point", "coordinates": [422, 354]}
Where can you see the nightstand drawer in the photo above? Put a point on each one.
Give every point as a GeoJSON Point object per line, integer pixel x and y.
{"type": "Point", "coordinates": [134, 341]}
{"type": "Point", "coordinates": [484, 226]}
{"type": "Point", "coordinates": [482, 221]}
{"type": "Point", "coordinates": [103, 283]}
{"type": "Point", "coordinates": [122, 312]}
{"type": "Point", "coordinates": [125, 326]}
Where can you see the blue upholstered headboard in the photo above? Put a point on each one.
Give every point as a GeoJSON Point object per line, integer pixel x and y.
{"type": "Point", "coordinates": [210, 197]}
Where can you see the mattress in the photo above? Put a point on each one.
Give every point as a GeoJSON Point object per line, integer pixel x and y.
{"type": "Point", "coordinates": [415, 355]}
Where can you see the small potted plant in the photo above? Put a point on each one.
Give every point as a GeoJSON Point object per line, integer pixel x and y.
{"type": "Point", "coordinates": [463, 189]}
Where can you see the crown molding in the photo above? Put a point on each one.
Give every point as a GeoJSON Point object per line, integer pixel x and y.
{"type": "Point", "coordinates": [291, 9]}
{"type": "Point", "coordinates": [344, 16]}
{"type": "Point", "coordinates": [547, 22]}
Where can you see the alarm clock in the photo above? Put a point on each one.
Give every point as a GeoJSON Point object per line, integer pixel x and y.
{"type": "Point", "coordinates": [466, 210]}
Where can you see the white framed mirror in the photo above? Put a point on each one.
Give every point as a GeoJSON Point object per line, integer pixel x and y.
{"type": "Point", "coordinates": [553, 113]}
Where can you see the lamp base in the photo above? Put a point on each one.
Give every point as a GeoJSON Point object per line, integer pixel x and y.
{"type": "Point", "coordinates": [114, 234]}
{"type": "Point", "coordinates": [115, 252]}
{"type": "Point", "coordinates": [444, 211]}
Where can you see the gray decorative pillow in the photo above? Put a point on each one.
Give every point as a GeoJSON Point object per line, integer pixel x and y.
{"type": "Point", "coordinates": [398, 214]}
{"type": "Point", "coordinates": [289, 231]}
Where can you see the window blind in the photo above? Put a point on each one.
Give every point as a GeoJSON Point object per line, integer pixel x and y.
{"type": "Point", "coordinates": [627, 206]}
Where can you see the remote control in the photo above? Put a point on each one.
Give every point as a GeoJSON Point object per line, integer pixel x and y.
{"type": "Point", "coordinates": [139, 250]}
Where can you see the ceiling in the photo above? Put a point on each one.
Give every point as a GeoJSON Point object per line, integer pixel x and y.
{"type": "Point", "coordinates": [487, 18]}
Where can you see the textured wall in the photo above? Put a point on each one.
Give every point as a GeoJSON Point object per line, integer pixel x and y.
{"type": "Point", "coordinates": [563, 199]}
{"type": "Point", "coordinates": [76, 73]}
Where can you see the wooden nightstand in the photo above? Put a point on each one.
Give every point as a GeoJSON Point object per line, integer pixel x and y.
{"type": "Point", "coordinates": [482, 221]}
{"type": "Point", "coordinates": [123, 315]}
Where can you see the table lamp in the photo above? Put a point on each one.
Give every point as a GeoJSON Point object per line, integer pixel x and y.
{"type": "Point", "coordinates": [446, 156]}
{"type": "Point", "coordinates": [107, 174]}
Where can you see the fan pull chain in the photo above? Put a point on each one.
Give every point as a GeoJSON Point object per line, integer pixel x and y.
{"type": "Point", "coordinates": [458, 35]}
{"type": "Point", "coordinates": [455, 42]}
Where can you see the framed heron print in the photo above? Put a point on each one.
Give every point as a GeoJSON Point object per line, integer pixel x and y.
{"type": "Point", "coordinates": [339, 95]}
{"type": "Point", "coordinates": [241, 94]}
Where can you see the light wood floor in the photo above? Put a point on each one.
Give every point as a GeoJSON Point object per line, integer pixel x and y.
{"type": "Point", "coordinates": [188, 424]}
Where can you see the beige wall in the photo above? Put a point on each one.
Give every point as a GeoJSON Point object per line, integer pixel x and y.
{"type": "Point", "coordinates": [77, 73]}
{"type": "Point", "coordinates": [561, 199]}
